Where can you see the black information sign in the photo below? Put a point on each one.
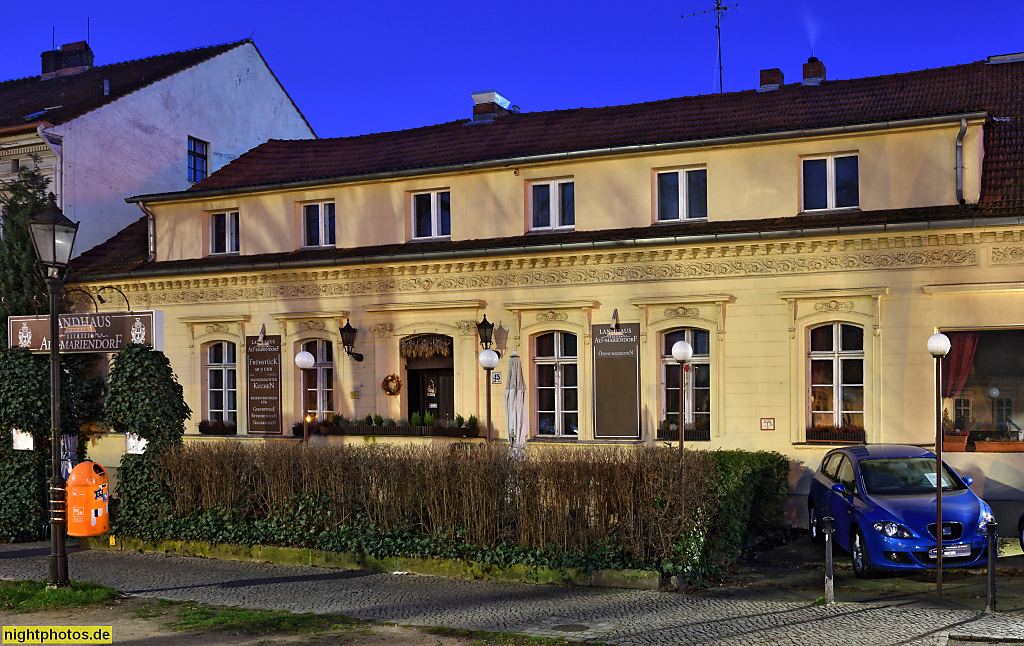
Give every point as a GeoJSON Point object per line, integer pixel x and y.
{"type": "Point", "coordinates": [616, 381]}
{"type": "Point", "coordinates": [263, 378]}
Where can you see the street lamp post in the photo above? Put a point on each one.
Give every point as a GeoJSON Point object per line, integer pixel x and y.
{"type": "Point", "coordinates": [682, 352]}
{"type": "Point", "coordinates": [938, 347]}
{"type": "Point", "coordinates": [993, 394]}
{"type": "Point", "coordinates": [304, 361]}
{"type": "Point", "coordinates": [53, 236]}
{"type": "Point", "coordinates": [488, 361]}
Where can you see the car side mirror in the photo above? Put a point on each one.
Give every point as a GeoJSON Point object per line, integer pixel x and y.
{"type": "Point", "coordinates": [839, 487]}
{"type": "Point", "coordinates": [968, 480]}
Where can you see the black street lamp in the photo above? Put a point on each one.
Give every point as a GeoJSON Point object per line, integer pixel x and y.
{"type": "Point", "coordinates": [53, 236]}
{"type": "Point", "coordinates": [488, 361]}
{"type": "Point", "coordinates": [938, 347]}
{"type": "Point", "coordinates": [348, 340]}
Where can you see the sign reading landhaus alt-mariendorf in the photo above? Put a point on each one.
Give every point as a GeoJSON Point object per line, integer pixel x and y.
{"type": "Point", "coordinates": [616, 381]}
{"type": "Point", "coordinates": [100, 332]}
{"type": "Point", "coordinates": [263, 377]}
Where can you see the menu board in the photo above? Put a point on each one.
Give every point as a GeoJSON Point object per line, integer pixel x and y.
{"type": "Point", "coordinates": [263, 379]}
{"type": "Point", "coordinates": [616, 381]}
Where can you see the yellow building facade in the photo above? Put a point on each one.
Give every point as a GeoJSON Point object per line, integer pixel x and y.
{"type": "Point", "coordinates": [807, 266]}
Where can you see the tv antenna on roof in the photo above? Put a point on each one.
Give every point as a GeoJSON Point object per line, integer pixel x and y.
{"type": "Point", "coordinates": [718, 10]}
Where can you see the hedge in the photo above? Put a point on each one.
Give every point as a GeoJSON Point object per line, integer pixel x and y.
{"type": "Point", "coordinates": [593, 507]}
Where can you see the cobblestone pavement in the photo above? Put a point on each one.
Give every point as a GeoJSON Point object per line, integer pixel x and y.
{"type": "Point", "coordinates": [617, 616]}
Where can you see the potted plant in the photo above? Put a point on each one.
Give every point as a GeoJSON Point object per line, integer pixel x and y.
{"type": "Point", "coordinates": [847, 434]}
{"type": "Point", "coordinates": [217, 427]}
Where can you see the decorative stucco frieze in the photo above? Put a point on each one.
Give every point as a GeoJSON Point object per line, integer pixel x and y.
{"type": "Point", "coordinates": [466, 328]}
{"type": "Point", "coordinates": [306, 326]}
{"type": "Point", "coordinates": [585, 269]}
{"type": "Point", "coordinates": [1007, 255]}
{"type": "Point", "coordinates": [381, 330]}
{"type": "Point", "coordinates": [682, 313]}
{"type": "Point", "coordinates": [834, 306]}
{"type": "Point", "coordinates": [217, 328]}
{"type": "Point", "coordinates": [547, 317]}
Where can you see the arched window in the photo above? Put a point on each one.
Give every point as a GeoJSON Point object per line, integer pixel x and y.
{"type": "Point", "coordinates": [698, 386]}
{"type": "Point", "coordinates": [556, 385]}
{"type": "Point", "coordinates": [221, 384]}
{"type": "Point", "coordinates": [836, 368]}
{"type": "Point", "coordinates": [318, 381]}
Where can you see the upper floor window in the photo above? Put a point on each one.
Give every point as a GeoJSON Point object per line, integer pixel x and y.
{"type": "Point", "coordinates": [318, 225]}
{"type": "Point", "coordinates": [318, 381]}
{"type": "Point", "coordinates": [197, 160]}
{"type": "Point", "coordinates": [432, 214]}
{"type": "Point", "coordinates": [224, 232]}
{"type": "Point", "coordinates": [553, 205]}
{"type": "Point", "coordinates": [557, 388]}
{"type": "Point", "coordinates": [683, 195]}
{"type": "Point", "coordinates": [697, 391]}
{"type": "Point", "coordinates": [831, 182]}
{"type": "Point", "coordinates": [836, 366]}
{"type": "Point", "coordinates": [221, 381]}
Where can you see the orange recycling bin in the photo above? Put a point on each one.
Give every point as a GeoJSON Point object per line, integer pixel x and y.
{"type": "Point", "coordinates": [88, 514]}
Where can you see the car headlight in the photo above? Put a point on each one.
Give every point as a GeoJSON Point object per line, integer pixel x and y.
{"type": "Point", "coordinates": [892, 530]}
{"type": "Point", "coordinates": [983, 520]}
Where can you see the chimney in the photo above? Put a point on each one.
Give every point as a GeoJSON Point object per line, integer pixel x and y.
{"type": "Point", "coordinates": [72, 58]}
{"type": "Point", "coordinates": [814, 71]}
{"type": "Point", "coordinates": [489, 105]}
{"type": "Point", "coordinates": [771, 80]}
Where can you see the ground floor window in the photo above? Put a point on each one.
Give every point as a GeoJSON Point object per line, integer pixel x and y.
{"type": "Point", "coordinates": [981, 381]}
{"type": "Point", "coordinates": [221, 382]}
{"type": "Point", "coordinates": [697, 395]}
{"type": "Point", "coordinates": [318, 381]}
{"type": "Point", "coordinates": [835, 365]}
{"type": "Point", "coordinates": [557, 389]}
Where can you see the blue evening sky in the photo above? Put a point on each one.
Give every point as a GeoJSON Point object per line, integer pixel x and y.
{"type": "Point", "coordinates": [360, 67]}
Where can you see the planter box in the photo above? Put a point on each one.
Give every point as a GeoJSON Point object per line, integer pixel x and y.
{"type": "Point", "coordinates": [691, 435]}
{"type": "Point", "coordinates": [402, 431]}
{"type": "Point", "coordinates": [835, 437]}
{"type": "Point", "coordinates": [999, 447]}
{"type": "Point", "coordinates": [217, 428]}
{"type": "Point", "coordinates": [954, 443]}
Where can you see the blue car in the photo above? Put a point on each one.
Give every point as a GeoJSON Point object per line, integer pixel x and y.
{"type": "Point", "coordinates": [882, 497]}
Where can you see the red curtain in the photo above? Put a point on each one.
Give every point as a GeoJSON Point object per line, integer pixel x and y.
{"type": "Point", "coordinates": [957, 364]}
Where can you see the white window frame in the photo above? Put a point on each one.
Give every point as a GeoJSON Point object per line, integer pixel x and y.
{"type": "Point", "coordinates": [326, 227]}
{"type": "Point", "coordinates": [683, 203]}
{"type": "Point", "coordinates": [836, 355]}
{"type": "Point", "coordinates": [226, 369]}
{"type": "Point", "coordinates": [323, 367]}
{"type": "Point", "coordinates": [668, 362]}
{"type": "Point", "coordinates": [963, 404]}
{"type": "Point", "coordinates": [435, 228]}
{"type": "Point", "coordinates": [555, 204]}
{"type": "Point", "coordinates": [559, 361]}
{"type": "Point", "coordinates": [830, 174]}
{"type": "Point", "coordinates": [230, 233]}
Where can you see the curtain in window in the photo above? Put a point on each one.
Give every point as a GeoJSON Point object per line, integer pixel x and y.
{"type": "Point", "coordinates": [957, 364]}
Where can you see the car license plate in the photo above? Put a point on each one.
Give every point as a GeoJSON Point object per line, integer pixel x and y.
{"type": "Point", "coordinates": [951, 551]}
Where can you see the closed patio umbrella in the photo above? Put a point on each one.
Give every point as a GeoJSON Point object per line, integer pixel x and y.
{"type": "Point", "coordinates": [515, 402]}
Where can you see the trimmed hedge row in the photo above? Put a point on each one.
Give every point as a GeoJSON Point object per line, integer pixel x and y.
{"type": "Point", "coordinates": [601, 507]}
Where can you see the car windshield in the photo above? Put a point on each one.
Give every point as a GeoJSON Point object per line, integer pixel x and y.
{"type": "Point", "coordinates": [905, 476]}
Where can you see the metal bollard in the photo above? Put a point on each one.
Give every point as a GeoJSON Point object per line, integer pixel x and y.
{"type": "Point", "coordinates": [990, 593]}
{"type": "Point", "coordinates": [826, 528]}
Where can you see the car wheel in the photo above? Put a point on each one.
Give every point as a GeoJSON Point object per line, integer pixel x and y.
{"type": "Point", "coordinates": [859, 552]}
{"type": "Point", "coordinates": [814, 524]}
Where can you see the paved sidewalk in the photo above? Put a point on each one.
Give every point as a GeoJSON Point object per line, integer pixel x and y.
{"type": "Point", "coordinates": [617, 616]}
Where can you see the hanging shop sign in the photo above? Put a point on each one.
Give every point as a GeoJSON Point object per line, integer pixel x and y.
{"type": "Point", "coordinates": [616, 381]}
{"type": "Point", "coordinates": [103, 332]}
{"type": "Point", "coordinates": [263, 377]}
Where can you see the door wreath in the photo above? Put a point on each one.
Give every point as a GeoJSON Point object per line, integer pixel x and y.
{"type": "Point", "coordinates": [392, 385]}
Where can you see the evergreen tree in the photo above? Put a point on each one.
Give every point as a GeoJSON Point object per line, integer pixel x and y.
{"type": "Point", "coordinates": [20, 278]}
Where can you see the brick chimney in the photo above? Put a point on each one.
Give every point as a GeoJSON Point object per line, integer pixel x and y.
{"type": "Point", "coordinates": [771, 80]}
{"type": "Point", "coordinates": [72, 58]}
{"type": "Point", "coordinates": [489, 105]}
{"type": "Point", "coordinates": [814, 71]}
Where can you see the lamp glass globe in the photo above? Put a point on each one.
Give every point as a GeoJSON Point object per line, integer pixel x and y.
{"type": "Point", "coordinates": [488, 359]}
{"type": "Point", "coordinates": [682, 351]}
{"type": "Point", "coordinates": [938, 345]}
{"type": "Point", "coordinates": [993, 392]}
{"type": "Point", "coordinates": [304, 360]}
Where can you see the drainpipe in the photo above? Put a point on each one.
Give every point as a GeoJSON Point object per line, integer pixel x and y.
{"type": "Point", "coordinates": [150, 232]}
{"type": "Point", "coordinates": [960, 162]}
{"type": "Point", "coordinates": [58, 179]}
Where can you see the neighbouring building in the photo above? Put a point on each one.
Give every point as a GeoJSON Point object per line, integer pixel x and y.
{"type": "Point", "coordinates": [100, 132]}
{"type": "Point", "coordinates": [806, 238]}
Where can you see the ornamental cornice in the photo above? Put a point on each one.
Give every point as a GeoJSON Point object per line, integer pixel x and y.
{"type": "Point", "coordinates": [570, 269]}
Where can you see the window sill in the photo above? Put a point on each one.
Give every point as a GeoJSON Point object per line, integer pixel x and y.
{"type": "Point", "coordinates": [680, 221]}
{"type": "Point", "coordinates": [553, 439]}
{"type": "Point", "coordinates": [223, 254]}
{"type": "Point", "coordinates": [551, 230]}
{"type": "Point", "coordinates": [845, 209]}
{"type": "Point", "coordinates": [431, 239]}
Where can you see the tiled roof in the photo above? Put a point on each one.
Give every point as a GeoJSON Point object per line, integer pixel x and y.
{"type": "Point", "coordinates": [62, 98]}
{"type": "Point", "coordinates": [974, 87]}
{"type": "Point", "coordinates": [126, 252]}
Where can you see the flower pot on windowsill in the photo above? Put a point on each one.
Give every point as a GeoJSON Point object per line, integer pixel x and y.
{"type": "Point", "coordinates": [216, 427]}
{"type": "Point", "coordinates": [954, 443]}
{"type": "Point", "coordinates": [993, 446]}
{"type": "Point", "coordinates": [835, 435]}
